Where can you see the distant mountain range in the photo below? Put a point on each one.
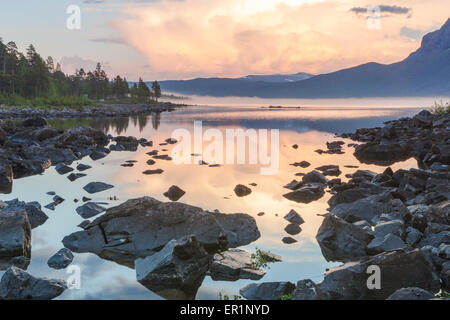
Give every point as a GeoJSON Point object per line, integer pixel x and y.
{"type": "Point", "coordinates": [425, 72]}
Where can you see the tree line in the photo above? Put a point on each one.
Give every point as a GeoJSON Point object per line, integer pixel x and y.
{"type": "Point", "coordinates": [28, 77]}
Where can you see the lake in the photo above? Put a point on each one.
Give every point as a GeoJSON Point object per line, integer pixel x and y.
{"type": "Point", "coordinates": [310, 126]}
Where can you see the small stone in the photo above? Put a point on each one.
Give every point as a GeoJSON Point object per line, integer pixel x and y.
{"type": "Point", "coordinates": [289, 240]}
{"type": "Point", "coordinates": [61, 259]}
{"type": "Point", "coordinates": [241, 191]}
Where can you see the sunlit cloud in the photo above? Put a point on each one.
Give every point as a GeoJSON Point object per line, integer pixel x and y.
{"type": "Point", "coordinates": [192, 38]}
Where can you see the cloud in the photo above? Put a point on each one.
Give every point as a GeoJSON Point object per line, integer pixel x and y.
{"type": "Point", "coordinates": [383, 9]}
{"type": "Point", "coordinates": [113, 40]}
{"type": "Point", "coordinates": [228, 38]}
{"type": "Point", "coordinates": [70, 64]}
{"type": "Point", "coordinates": [411, 33]}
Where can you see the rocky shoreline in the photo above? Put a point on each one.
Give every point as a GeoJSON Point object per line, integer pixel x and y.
{"type": "Point", "coordinates": [101, 111]}
{"type": "Point", "coordinates": [396, 222]}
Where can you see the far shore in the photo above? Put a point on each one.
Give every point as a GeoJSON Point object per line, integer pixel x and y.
{"type": "Point", "coordinates": [105, 110]}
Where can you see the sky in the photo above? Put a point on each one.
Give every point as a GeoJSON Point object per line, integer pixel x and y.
{"type": "Point", "coordinates": [184, 39]}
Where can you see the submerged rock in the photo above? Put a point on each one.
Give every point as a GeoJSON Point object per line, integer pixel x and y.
{"type": "Point", "coordinates": [234, 264]}
{"type": "Point", "coordinates": [61, 259]}
{"type": "Point", "coordinates": [293, 229]}
{"type": "Point", "coordinates": [150, 172]}
{"type": "Point", "coordinates": [140, 227]}
{"type": "Point", "coordinates": [95, 187]}
{"type": "Point", "coordinates": [241, 191]}
{"type": "Point", "coordinates": [89, 210]}
{"type": "Point", "coordinates": [63, 169]}
{"type": "Point", "coordinates": [294, 217]}
{"type": "Point", "coordinates": [177, 271]}
{"type": "Point", "coordinates": [17, 284]}
{"type": "Point", "coordinates": [75, 176]}
{"type": "Point", "coordinates": [83, 167]}
{"type": "Point", "coordinates": [174, 193]}
{"type": "Point", "coordinates": [267, 290]}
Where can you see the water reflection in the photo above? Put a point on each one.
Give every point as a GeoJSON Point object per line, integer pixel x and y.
{"type": "Point", "coordinates": [206, 187]}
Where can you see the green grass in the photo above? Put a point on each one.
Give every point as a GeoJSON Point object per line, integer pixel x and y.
{"type": "Point", "coordinates": [440, 108]}
{"type": "Point", "coordinates": [52, 102]}
{"type": "Point", "coordinates": [259, 260]}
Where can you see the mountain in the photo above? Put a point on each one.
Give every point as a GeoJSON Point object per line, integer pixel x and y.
{"type": "Point", "coordinates": [425, 72]}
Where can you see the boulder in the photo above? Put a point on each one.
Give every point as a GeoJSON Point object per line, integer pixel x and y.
{"type": "Point", "coordinates": [17, 284]}
{"type": "Point", "coordinates": [141, 227]}
{"type": "Point", "coordinates": [382, 243]}
{"type": "Point", "coordinates": [398, 269]}
{"type": "Point", "coordinates": [15, 238]}
{"type": "Point", "coordinates": [314, 177]}
{"type": "Point", "coordinates": [307, 193]}
{"type": "Point", "coordinates": [234, 264]}
{"type": "Point", "coordinates": [267, 290]}
{"type": "Point", "coordinates": [445, 275]}
{"type": "Point", "coordinates": [34, 122]}
{"type": "Point", "coordinates": [33, 209]}
{"type": "Point", "coordinates": [368, 209]}
{"type": "Point", "coordinates": [241, 191]}
{"type": "Point", "coordinates": [342, 241]}
{"type": "Point", "coordinates": [61, 259]}
{"type": "Point", "coordinates": [411, 294]}
{"type": "Point", "coordinates": [177, 271]}
{"type": "Point", "coordinates": [382, 154]}
{"type": "Point", "coordinates": [174, 193]}
{"type": "Point", "coordinates": [305, 290]}
{"type": "Point", "coordinates": [6, 178]}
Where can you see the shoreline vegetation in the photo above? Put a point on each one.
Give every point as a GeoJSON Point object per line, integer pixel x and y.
{"type": "Point", "coordinates": [27, 81]}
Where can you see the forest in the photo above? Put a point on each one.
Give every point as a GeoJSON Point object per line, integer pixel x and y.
{"type": "Point", "coordinates": [29, 80]}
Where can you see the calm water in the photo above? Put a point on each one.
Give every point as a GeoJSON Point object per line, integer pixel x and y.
{"type": "Point", "coordinates": [210, 188]}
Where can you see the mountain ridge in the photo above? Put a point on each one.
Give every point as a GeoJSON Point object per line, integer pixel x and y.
{"type": "Point", "coordinates": [425, 72]}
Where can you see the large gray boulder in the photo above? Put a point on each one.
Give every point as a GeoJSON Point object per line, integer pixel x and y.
{"type": "Point", "coordinates": [411, 294]}
{"type": "Point", "coordinates": [6, 178]}
{"type": "Point", "coordinates": [89, 210]}
{"type": "Point", "coordinates": [267, 290]}
{"type": "Point", "coordinates": [234, 264]}
{"type": "Point", "coordinates": [35, 215]}
{"type": "Point", "coordinates": [15, 239]}
{"type": "Point", "coordinates": [141, 227]}
{"type": "Point", "coordinates": [177, 271]}
{"type": "Point", "coordinates": [17, 284]}
{"type": "Point", "coordinates": [342, 241]}
{"type": "Point", "coordinates": [398, 269]}
{"type": "Point", "coordinates": [368, 209]}
{"type": "Point", "coordinates": [305, 290]}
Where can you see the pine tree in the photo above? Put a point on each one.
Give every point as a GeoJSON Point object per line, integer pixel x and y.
{"type": "Point", "coordinates": [156, 90]}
